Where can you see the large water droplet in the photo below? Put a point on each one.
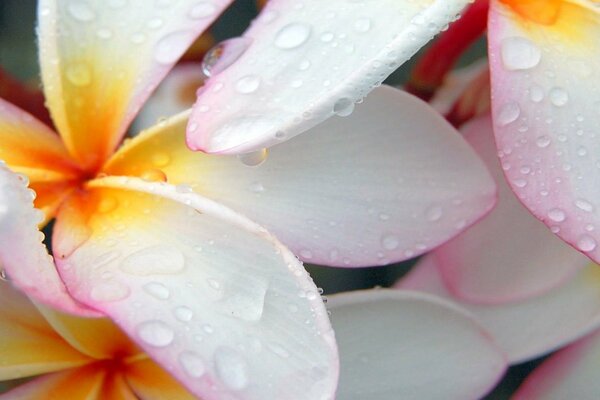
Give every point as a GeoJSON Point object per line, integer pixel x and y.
{"type": "Point", "coordinates": [586, 243]}
{"type": "Point", "coordinates": [508, 113]}
{"type": "Point", "coordinates": [557, 215]}
{"type": "Point", "coordinates": [157, 290]}
{"type": "Point", "coordinates": [183, 313]}
{"type": "Point", "coordinates": [192, 364]}
{"type": "Point", "coordinates": [156, 333]}
{"type": "Point", "coordinates": [292, 35]}
{"type": "Point", "coordinates": [168, 49]}
{"type": "Point", "coordinates": [519, 53]}
{"type": "Point", "coordinates": [231, 368]}
{"type": "Point", "coordinates": [584, 205]}
{"type": "Point", "coordinates": [221, 56]}
{"type": "Point", "coordinates": [343, 107]}
{"type": "Point", "coordinates": [558, 96]}
{"type": "Point", "coordinates": [255, 158]}
{"type": "Point", "coordinates": [159, 259]}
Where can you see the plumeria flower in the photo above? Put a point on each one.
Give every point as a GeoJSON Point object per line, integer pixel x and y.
{"type": "Point", "coordinates": [92, 358]}
{"type": "Point", "coordinates": [544, 59]}
{"type": "Point", "coordinates": [145, 236]}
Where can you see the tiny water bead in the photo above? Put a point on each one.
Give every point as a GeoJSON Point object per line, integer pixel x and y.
{"type": "Point", "coordinates": [156, 333]}
{"type": "Point", "coordinates": [183, 313]}
{"type": "Point", "coordinates": [79, 74]}
{"type": "Point", "coordinates": [292, 35]}
{"type": "Point", "coordinates": [157, 290]}
{"type": "Point", "coordinates": [248, 84]}
{"type": "Point", "coordinates": [223, 55]}
{"type": "Point", "coordinates": [586, 243]}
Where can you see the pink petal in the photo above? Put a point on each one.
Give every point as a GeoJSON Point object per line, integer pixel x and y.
{"type": "Point", "coordinates": [529, 328]}
{"type": "Point", "coordinates": [100, 60]}
{"type": "Point", "coordinates": [509, 255]}
{"type": "Point", "coordinates": [408, 345]}
{"type": "Point", "coordinates": [570, 374]}
{"type": "Point", "coordinates": [22, 255]}
{"type": "Point", "coordinates": [211, 296]}
{"type": "Point", "coordinates": [387, 183]}
{"type": "Point", "coordinates": [546, 90]}
{"type": "Point", "coordinates": [307, 62]}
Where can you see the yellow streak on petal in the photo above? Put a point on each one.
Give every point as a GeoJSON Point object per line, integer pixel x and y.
{"type": "Point", "coordinates": [149, 381]}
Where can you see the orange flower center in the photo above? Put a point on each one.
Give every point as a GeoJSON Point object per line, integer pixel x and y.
{"type": "Point", "coordinates": [545, 12]}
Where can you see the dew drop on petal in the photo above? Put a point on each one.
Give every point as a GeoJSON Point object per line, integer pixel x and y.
{"type": "Point", "coordinates": [79, 74]}
{"type": "Point", "coordinates": [508, 113]}
{"type": "Point", "coordinates": [390, 242]}
{"type": "Point", "coordinates": [343, 107]}
{"type": "Point", "coordinates": [255, 158]}
{"type": "Point", "coordinates": [192, 364]}
{"type": "Point", "coordinates": [156, 333]}
{"type": "Point", "coordinates": [557, 215]}
{"type": "Point", "coordinates": [183, 313]}
{"type": "Point", "coordinates": [519, 53]}
{"type": "Point", "coordinates": [157, 290]}
{"type": "Point", "coordinates": [231, 368]}
{"type": "Point", "coordinates": [362, 25]}
{"type": "Point", "coordinates": [292, 35]}
{"type": "Point", "coordinates": [81, 11]}
{"type": "Point", "coordinates": [223, 55]}
{"type": "Point", "coordinates": [558, 96]}
{"type": "Point", "coordinates": [248, 84]}
{"type": "Point", "coordinates": [586, 243]}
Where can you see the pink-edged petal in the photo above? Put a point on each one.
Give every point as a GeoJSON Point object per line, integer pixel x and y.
{"type": "Point", "coordinates": [407, 345]}
{"type": "Point", "coordinates": [210, 295]}
{"type": "Point", "coordinates": [100, 60]}
{"type": "Point", "coordinates": [572, 373]}
{"type": "Point", "coordinates": [387, 183]}
{"type": "Point", "coordinates": [546, 91]}
{"type": "Point", "coordinates": [22, 255]}
{"type": "Point", "coordinates": [307, 62]}
{"type": "Point", "coordinates": [495, 261]}
{"type": "Point", "coordinates": [529, 328]}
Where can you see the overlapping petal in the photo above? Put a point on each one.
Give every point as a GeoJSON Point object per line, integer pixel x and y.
{"type": "Point", "coordinates": [31, 148]}
{"type": "Point", "coordinates": [509, 255]}
{"type": "Point", "coordinates": [529, 328]}
{"type": "Point", "coordinates": [23, 256]}
{"type": "Point", "coordinates": [98, 70]}
{"type": "Point", "coordinates": [150, 382]}
{"type": "Point", "coordinates": [546, 89]}
{"type": "Point", "coordinates": [307, 62]}
{"type": "Point", "coordinates": [28, 344]}
{"type": "Point", "coordinates": [408, 345]}
{"type": "Point", "coordinates": [387, 183]}
{"type": "Point", "coordinates": [204, 291]}
{"type": "Point", "coordinates": [570, 374]}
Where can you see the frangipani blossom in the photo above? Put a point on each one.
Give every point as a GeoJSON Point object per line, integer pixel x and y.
{"type": "Point", "coordinates": [92, 359]}
{"type": "Point", "coordinates": [545, 69]}
{"type": "Point", "coordinates": [140, 238]}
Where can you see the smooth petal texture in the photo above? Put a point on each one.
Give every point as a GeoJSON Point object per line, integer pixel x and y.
{"type": "Point", "coordinates": [28, 344]}
{"type": "Point", "coordinates": [306, 62]}
{"type": "Point", "coordinates": [572, 373]}
{"type": "Point", "coordinates": [530, 328]}
{"type": "Point", "coordinates": [408, 345]}
{"type": "Point", "coordinates": [494, 261]}
{"type": "Point", "coordinates": [31, 148]}
{"type": "Point", "coordinates": [211, 296]}
{"type": "Point", "coordinates": [100, 60]}
{"type": "Point", "coordinates": [99, 338]}
{"type": "Point", "coordinates": [76, 384]}
{"type": "Point", "coordinates": [150, 382]}
{"type": "Point", "coordinates": [546, 91]}
{"type": "Point", "coordinates": [389, 182]}
{"type": "Point", "coordinates": [22, 255]}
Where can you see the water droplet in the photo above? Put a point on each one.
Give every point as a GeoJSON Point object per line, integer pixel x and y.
{"type": "Point", "coordinates": [434, 213]}
{"type": "Point", "coordinates": [154, 175]}
{"type": "Point", "coordinates": [221, 56]}
{"type": "Point", "coordinates": [109, 292]}
{"type": "Point", "coordinates": [171, 47]}
{"type": "Point", "coordinates": [558, 96]}
{"type": "Point", "coordinates": [586, 243]}
{"type": "Point", "coordinates": [107, 204]}
{"type": "Point", "coordinates": [362, 25]}
{"type": "Point", "coordinates": [584, 205]}
{"type": "Point", "coordinates": [231, 368]}
{"type": "Point", "coordinates": [343, 107]}
{"type": "Point", "coordinates": [542, 141]}
{"type": "Point", "coordinates": [255, 158]}
{"type": "Point", "coordinates": [202, 10]}
{"type": "Point", "coordinates": [79, 74]}
{"type": "Point", "coordinates": [156, 333]}
{"type": "Point", "coordinates": [557, 215]}
{"type": "Point", "coordinates": [159, 259]}
{"type": "Point", "coordinates": [183, 313]}
{"type": "Point", "coordinates": [256, 187]}
{"type": "Point", "coordinates": [390, 242]}
{"type": "Point", "coordinates": [292, 35]}
{"type": "Point", "coordinates": [248, 84]}
{"type": "Point", "coordinates": [157, 290]}
{"type": "Point", "coordinates": [192, 364]}
{"type": "Point", "coordinates": [508, 113]}
{"type": "Point", "coordinates": [81, 11]}
{"type": "Point", "coordinates": [160, 160]}
{"type": "Point", "coordinates": [519, 53]}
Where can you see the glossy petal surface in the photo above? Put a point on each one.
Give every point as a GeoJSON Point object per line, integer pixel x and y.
{"type": "Point", "coordinates": [408, 345]}
{"type": "Point", "coordinates": [210, 295]}
{"type": "Point", "coordinates": [307, 61]}
{"type": "Point", "coordinates": [572, 373]}
{"type": "Point", "coordinates": [100, 60]}
{"type": "Point", "coordinates": [546, 91]}
{"type": "Point", "coordinates": [28, 344]}
{"type": "Point", "coordinates": [509, 255]}
{"type": "Point", "coordinates": [529, 328]}
{"type": "Point", "coordinates": [387, 183]}
{"type": "Point", "coordinates": [23, 256]}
